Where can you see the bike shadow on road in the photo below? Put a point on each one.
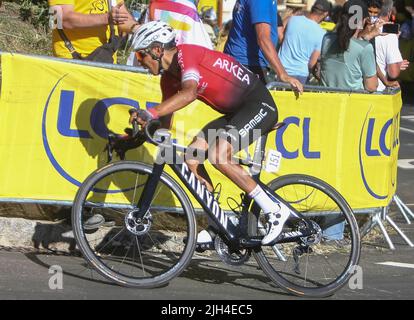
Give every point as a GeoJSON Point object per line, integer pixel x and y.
{"type": "Point", "coordinates": [76, 266]}
{"type": "Point", "coordinates": [200, 269]}
{"type": "Point", "coordinates": [208, 271]}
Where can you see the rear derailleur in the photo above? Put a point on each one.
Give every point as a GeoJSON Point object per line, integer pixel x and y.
{"type": "Point", "coordinates": [305, 244]}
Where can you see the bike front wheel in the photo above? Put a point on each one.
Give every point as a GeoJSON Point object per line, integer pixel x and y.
{"type": "Point", "coordinates": [316, 266]}
{"type": "Point", "coordinates": [133, 250]}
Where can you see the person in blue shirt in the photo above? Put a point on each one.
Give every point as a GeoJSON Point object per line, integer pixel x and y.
{"type": "Point", "coordinates": [302, 43]}
{"type": "Point", "coordinates": [253, 39]}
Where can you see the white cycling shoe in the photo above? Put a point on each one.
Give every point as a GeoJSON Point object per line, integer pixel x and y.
{"type": "Point", "coordinates": [275, 226]}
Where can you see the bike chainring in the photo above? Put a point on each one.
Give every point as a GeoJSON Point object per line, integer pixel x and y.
{"type": "Point", "coordinates": [236, 258]}
{"type": "Point", "coordinates": [138, 226]}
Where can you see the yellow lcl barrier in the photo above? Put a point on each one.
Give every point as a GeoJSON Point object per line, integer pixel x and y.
{"type": "Point", "coordinates": [55, 117]}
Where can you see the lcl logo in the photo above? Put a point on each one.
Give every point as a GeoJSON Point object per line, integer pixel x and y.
{"type": "Point", "coordinates": [305, 126]}
{"type": "Point", "coordinates": [380, 140]}
{"type": "Point", "coordinates": [97, 125]}
{"type": "Point", "coordinates": [97, 116]}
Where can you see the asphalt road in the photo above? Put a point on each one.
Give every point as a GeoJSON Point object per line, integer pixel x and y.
{"type": "Point", "coordinates": [26, 276]}
{"type": "Point", "coordinates": [387, 274]}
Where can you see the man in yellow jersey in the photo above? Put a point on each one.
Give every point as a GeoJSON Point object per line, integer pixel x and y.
{"type": "Point", "coordinates": [82, 26]}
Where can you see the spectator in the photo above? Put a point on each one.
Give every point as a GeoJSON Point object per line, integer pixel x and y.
{"type": "Point", "coordinates": [301, 48]}
{"type": "Point", "coordinates": [389, 59]}
{"type": "Point", "coordinates": [209, 18]}
{"type": "Point", "coordinates": [87, 30]}
{"type": "Point", "coordinates": [253, 39]}
{"type": "Point", "coordinates": [348, 62]}
{"type": "Point", "coordinates": [293, 9]}
{"type": "Point", "coordinates": [347, 57]}
{"type": "Point", "coordinates": [405, 18]}
{"type": "Point", "coordinates": [182, 15]}
{"type": "Point", "coordinates": [409, 6]}
{"type": "Point", "coordinates": [374, 8]}
{"type": "Point", "coordinates": [84, 26]}
{"type": "Point", "coordinates": [335, 14]}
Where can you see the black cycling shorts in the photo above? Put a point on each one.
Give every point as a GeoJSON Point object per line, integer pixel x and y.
{"type": "Point", "coordinates": [255, 117]}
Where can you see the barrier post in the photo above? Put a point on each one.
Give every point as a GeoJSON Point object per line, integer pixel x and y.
{"type": "Point", "coordinates": [378, 219]}
{"type": "Point", "coordinates": [403, 208]}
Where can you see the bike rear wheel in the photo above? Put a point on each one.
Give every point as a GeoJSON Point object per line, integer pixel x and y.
{"type": "Point", "coordinates": [146, 251]}
{"type": "Point", "coordinates": [315, 269]}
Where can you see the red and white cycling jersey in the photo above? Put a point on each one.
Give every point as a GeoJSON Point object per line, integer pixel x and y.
{"type": "Point", "coordinates": [222, 81]}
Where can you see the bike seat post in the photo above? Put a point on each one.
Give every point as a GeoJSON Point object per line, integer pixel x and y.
{"type": "Point", "coordinates": [259, 155]}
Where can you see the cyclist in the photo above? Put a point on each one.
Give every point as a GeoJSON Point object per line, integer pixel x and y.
{"type": "Point", "coordinates": [191, 72]}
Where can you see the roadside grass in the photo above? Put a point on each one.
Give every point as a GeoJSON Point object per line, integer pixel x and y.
{"type": "Point", "coordinates": [21, 37]}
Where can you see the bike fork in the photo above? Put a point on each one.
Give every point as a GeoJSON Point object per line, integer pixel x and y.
{"type": "Point", "coordinates": [150, 187]}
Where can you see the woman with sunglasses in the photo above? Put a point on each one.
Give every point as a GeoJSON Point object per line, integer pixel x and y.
{"type": "Point", "coordinates": [190, 73]}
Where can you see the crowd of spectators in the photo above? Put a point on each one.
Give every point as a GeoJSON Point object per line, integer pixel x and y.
{"type": "Point", "coordinates": [323, 47]}
{"type": "Point", "coordinates": [347, 58]}
{"type": "Point", "coordinates": [353, 55]}
{"type": "Point", "coordinates": [302, 41]}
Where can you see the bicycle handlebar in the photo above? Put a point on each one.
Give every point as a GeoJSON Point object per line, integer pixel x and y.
{"type": "Point", "coordinates": [150, 129]}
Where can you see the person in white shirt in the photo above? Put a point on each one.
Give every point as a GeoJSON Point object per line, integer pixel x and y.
{"type": "Point", "coordinates": [388, 55]}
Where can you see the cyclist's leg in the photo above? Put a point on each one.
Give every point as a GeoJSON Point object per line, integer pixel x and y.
{"type": "Point", "coordinates": [201, 142]}
{"type": "Point", "coordinates": [195, 161]}
{"type": "Point", "coordinates": [195, 164]}
{"type": "Point", "coordinates": [221, 157]}
{"type": "Point", "coordinates": [256, 117]}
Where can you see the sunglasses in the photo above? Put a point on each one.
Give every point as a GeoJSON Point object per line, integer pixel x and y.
{"type": "Point", "coordinates": [141, 54]}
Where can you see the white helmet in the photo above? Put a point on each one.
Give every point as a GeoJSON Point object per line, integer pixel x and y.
{"type": "Point", "coordinates": [151, 32]}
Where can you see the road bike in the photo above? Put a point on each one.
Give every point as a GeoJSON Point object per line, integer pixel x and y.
{"type": "Point", "coordinates": [153, 238]}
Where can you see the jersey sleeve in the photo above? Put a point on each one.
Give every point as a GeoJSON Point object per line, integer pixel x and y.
{"type": "Point", "coordinates": [393, 51]}
{"type": "Point", "coordinates": [189, 58]}
{"type": "Point", "coordinates": [260, 11]}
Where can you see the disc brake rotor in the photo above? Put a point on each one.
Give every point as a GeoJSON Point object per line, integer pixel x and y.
{"type": "Point", "coordinates": [315, 238]}
{"type": "Point", "coordinates": [138, 226]}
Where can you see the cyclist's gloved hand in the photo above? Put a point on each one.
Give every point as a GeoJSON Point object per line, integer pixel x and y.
{"type": "Point", "coordinates": [142, 116]}
{"type": "Point", "coordinates": [133, 115]}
